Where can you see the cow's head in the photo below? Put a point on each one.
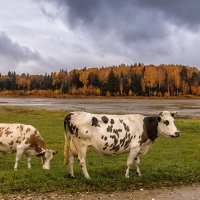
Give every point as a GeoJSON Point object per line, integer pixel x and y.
{"type": "Point", "coordinates": [46, 156]}
{"type": "Point", "coordinates": [166, 124]}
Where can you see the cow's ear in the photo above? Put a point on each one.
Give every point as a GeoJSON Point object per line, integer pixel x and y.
{"type": "Point", "coordinates": [160, 114]}
{"type": "Point", "coordinates": [173, 114]}
{"type": "Point", "coordinates": [159, 118]}
{"type": "Point", "coordinates": [40, 154]}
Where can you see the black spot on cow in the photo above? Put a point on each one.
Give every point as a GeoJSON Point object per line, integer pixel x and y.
{"type": "Point", "coordinates": [109, 128]}
{"type": "Point", "coordinates": [112, 121]}
{"type": "Point", "coordinates": [102, 137]}
{"type": "Point", "coordinates": [74, 127]}
{"type": "Point", "coordinates": [95, 122]}
{"type": "Point", "coordinates": [115, 146]}
{"type": "Point", "coordinates": [166, 122]}
{"type": "Point", "coordinates": [122, 141]}
{"type": "Point", "coordinates": [106, 146]}
{"type": "Point", "coordinates": [67, 123]}
{"type": "Point", "coordinates": [127, 143]}
{"type": "Point", "coordinates": [74, 130]}
{"type": "Point", "coordinates": [126, 127]}
{"type": "Point", "coordinates": [150, 129]}
{"type": "Point", "coordinates": [111, 145]}
{"type": "Point", "coordinates": [116, 131]}
{"type": "Point", "coordinates": [114, 138]}
{"type": "Point", "coordinates": [121, 120]}
{"type": "Point", "coordinates": [104, 119]}
{"type": "Point", "coordinates": [86, 131]}
{"type": "Point", "coordinates": [105, 138]}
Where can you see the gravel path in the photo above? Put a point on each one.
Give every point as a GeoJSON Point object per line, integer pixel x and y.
{"type": "Point", "coordinates": [182, 193]}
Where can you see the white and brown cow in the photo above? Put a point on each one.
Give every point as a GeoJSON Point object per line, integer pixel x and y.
{"type": "Point", "coordinates": [113, 135]}
{"type": "Point", "coordinates": [21, 138]}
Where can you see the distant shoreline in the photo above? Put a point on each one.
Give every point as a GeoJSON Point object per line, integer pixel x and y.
{"type": "Point", "coordinates": [67, 96]}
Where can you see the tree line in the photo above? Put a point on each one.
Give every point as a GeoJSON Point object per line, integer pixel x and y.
{"type": "Point", "coordinates": [122, 80]}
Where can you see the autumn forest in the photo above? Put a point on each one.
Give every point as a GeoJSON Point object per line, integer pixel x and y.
{"type": "Point", "coordinates": [122, 80]}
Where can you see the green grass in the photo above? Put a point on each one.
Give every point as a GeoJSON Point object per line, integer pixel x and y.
{"type": "Point", "coordinates": [171, 161]}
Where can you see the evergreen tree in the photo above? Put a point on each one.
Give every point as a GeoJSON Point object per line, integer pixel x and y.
{"type": "Point", "coordinates": [184, 74]}
{"type": "Point", "coordinates": [93, 80]}
{"type": "Point", "coordinates": [75, 80]}
{"type": "Point", "coordinates": [126, 85]}
{"type": "Point", "coordinates": [136, 84]}
{"type": "Point", "coordinates": [113, 83]}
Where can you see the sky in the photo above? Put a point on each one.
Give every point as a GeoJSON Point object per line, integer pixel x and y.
{"type": "Point", "coordinates": [44, 36]}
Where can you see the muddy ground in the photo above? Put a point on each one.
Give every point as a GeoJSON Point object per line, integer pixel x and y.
{"type": "Point", "coordinates": [185, 107]}
{"type": "Point", "coordinates": [181, 193]}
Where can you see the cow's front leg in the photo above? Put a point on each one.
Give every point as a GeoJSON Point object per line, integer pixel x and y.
{"type": "Point", "coordinates": [132, 155]}
{"type": "Point", "coordinates": [137, 163]}
{"type": "Point", "coordinates": [28, 160]}
{"type": "Point", "coordinates": [18, 157]}
{"type": "Point", "coordinates": [82, 159]}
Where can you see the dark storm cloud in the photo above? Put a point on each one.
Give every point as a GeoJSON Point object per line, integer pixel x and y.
{"type": "Point", "coordinates": [180, 12]}
{"type": "Point", "coordinates": [130, 20]}
{"type": "Point", "coordinates": [151, 31]}
{"type": "Point", "coordinates": [122, 19]}
{"type": "Point", "coordinates": [13, 52]}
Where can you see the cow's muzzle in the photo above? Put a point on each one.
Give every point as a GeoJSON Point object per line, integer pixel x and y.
{"type": "Point", "coordinates": [176, 134]}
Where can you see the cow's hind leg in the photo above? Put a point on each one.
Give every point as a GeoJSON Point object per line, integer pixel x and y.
{"type": "Point", "coordinates": [132, 155]}
{"type": "Point", "coordinates": [28, 160]}
{"type": "Point", "coordinates": [137, 163]}
{"type": "Point", "coordinates": [82, 159]}
{"type": "Point", "coordinates": [19, 153]}
{"type": "Point", "coordinates": [71, 165]}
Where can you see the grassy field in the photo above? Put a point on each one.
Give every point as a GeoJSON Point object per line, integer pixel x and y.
{"type": "Point", "coordinates": [170, 162]}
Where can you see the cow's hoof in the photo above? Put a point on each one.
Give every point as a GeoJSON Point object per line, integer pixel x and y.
{"type": "Point", "coordinates": [139, 174]}
{"type": "Point", "coordinates": [69, 176]}
{"type": "Point", "coordinates": [126, 176]}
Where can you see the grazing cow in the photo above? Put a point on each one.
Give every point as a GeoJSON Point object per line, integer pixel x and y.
{"type": "Point", "coordinates": [21, 138]}
{"type": "Point", "coordinates": [113, 135]}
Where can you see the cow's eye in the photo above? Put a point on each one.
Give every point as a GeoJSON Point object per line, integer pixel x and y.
{"type": "Point", "coordinates": [166, 122]}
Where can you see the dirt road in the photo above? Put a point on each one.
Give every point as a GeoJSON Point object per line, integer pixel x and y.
{"type": "Point", "coordinates": [181, 193]}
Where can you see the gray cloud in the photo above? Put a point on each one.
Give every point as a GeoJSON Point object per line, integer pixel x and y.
{"type": "Point", "coordinates": [140, 30]}
{"type": "Point", "coordinates": [16, 57]}
{"type": "Point", "coordinates": [180, 12]}
{"type": "Point", "coordinates": [124, 19]}
{"type": "Point", "coordinates": [13, 51]}
{"type": "Point", "coordinates": [46, 35]}
{"type": "Point", "coordinates": [130, 19]}
{"type": "Point", "coordinates": [120, 28]}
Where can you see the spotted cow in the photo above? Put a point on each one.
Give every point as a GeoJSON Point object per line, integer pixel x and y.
{"type": "Point", "coordinates": [113, 135]}
{"type": "Point", "coordinates": [21, 138]}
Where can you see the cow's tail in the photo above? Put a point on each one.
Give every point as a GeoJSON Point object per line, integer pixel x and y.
{"type": "Point", "coordinates": [67, 138]}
